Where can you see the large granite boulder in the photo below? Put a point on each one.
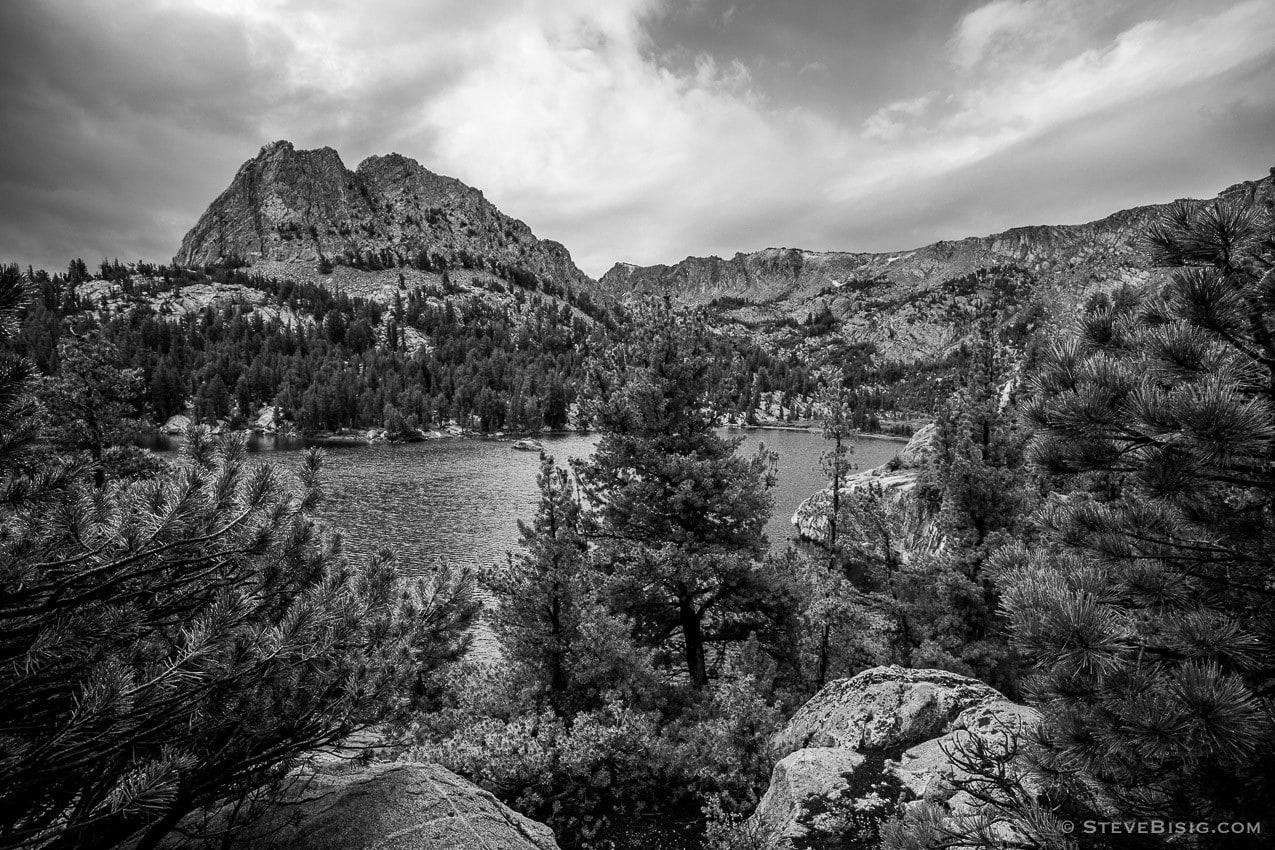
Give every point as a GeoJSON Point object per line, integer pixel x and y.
{"type": "Point", "coordinates": [884, 709]}
{"type": "Point", "coordinates": [919, 448]}
{"type": "Point", "coordinates": [387, 806]}
{"type": "Point", "coordinates": [175, 425]}
{"type": "Point", "coordinates": [824, 797]}
{"type": "Point", "coordinates": [867, 748]}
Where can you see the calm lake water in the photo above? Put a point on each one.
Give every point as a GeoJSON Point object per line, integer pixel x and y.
{"type": "Point", "coordinates": [459, 500]}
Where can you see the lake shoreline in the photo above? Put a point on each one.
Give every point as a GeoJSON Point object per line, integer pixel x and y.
{"type": "Point", "coordinates": [815, 429]}
{"type": "Point", "coordinates": [377, 436]}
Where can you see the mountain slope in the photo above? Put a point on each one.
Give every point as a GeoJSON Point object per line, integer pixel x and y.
{"type": "Point", "coordinates": [910, 303]}
{"type": "Point", "coordinates": [302, 214]}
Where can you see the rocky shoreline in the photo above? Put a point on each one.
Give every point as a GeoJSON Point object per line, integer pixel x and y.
{"type": "Point", "coordinates": [176, 426]}
{"type": "Point", "coordinates": [895, 480]}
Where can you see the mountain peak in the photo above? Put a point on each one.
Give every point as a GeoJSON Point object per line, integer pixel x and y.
{"type": "Point", "coordinates": [300, 209]}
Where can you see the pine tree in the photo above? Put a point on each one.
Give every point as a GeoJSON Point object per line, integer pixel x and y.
{"type": "Point", "coordinates": [212, 400]}
{"type": "Point", "coordinates": [168, 643]}
{"type": "Point", "coordinates": [92, 400]}
{"type": "Point", "coordinates": [30, 475]}
{"type": "Point", "coordinates": [978, 490]}
{"type": "Point", "coordinates": [167, 393]}
{"type": "Point", "coordinates": [541, 592]}
{"type": "Point", "coordinates": [678, 517]}
{"type": "Point", "coordinates": [551, 618]}
{"type": "Point", "coordinates": [828, 584]}
{"type": "Point", "coordinates": [1149, 611]}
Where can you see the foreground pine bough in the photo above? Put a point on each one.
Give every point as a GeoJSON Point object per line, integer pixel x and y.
{"type": "Point", "coordinates": [175, 642]}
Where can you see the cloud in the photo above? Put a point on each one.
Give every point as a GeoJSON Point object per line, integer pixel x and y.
{"type": "Point", "coordinates": [123, 123]}
{"type": "Point", "coordinates": [1026, 95]}
{"type": "Point", "coordinates": [1145, 61]}
{"type": "Point", "coordinates": [890, 121]}
{"type": "Point", "coordinates": [1006, 27]}
{"type": "Point", "coordinates": [622, 156]}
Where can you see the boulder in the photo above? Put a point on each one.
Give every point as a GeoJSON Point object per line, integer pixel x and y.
{"type": "Point", "coordinates": [268, 419]}
{"type": "Point", "coordinates": [822, 796]}
{"type": "Point", "coordinates": [927, 770]}
{"type": "Point", "coordinates": [882, 709]}
{"type": "Point", "coordinates": [867, 748]}
{"type": "Point", "coordinates": [387, 806]}
{"type": "Point", "coordinates": [176, 425]}
{"type": "Point", "coordinates": [919, 448]}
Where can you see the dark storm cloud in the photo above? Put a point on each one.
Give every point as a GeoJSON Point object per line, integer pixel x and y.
{"type": "Point", "coordinates": [123, 123]}
{"type": "Point", "coordinates": [107, 122]}
{"type": "Point", "coordinates": [642, 130]}
{"type": "Point", "coordinates": [841, 57]}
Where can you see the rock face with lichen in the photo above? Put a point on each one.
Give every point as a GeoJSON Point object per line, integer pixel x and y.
{"type": "Point", "coordinates": [287, 211]}
{"type": "Point", "coordinates": [870, 747]}
{"type": "Point", "coordinates": [403, 806]}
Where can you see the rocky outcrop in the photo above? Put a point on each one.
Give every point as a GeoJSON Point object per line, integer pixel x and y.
{"type": "Point", "coordinates": [820, 795]}
{"type": "Point", "coordinates": [918, 450]}
{"type": "Point", "coordinates": [175, 425]}
{"type": "Point", "coordinates": [894, 481]}
{"type": "Point", "coordinates": [868, 748]}
{"type": "Point", "coordinates": [387, 806]}
{"type": "Point", "coordinates": [905, 302]}
{"type": "Point", "coordinates": [885, 709]}
{"type": "Point", "coordinates": [287, 211]}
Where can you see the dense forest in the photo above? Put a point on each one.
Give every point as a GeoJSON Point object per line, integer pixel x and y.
{"type": "Point", "coordinates": [505, 358]}
{"type": "Point", "coordinates": [1091, 532]}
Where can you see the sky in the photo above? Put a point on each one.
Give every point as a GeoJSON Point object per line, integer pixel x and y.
{"type": "Point", "coordinates": [641, 131]}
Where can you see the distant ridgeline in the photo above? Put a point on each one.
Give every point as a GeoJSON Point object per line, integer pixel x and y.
{"type": "Point", "coordinates": [903, 322]}
{"type": "Point", "coordinates": [392, 297]}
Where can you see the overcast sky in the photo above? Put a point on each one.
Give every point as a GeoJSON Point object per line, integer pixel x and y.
{"type": "Point", "coordinates": [637, 130]}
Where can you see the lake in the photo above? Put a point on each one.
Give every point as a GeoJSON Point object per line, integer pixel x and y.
{"type": "Point", "coordinates": [458, 500]}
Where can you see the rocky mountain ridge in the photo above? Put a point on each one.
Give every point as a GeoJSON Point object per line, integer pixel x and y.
{"type": "Point", "coordinates": [910, 303]}
{"type": "Point", "coordinates": [391, 224]}
{"type": "Point", "coordinates": [302, 214]}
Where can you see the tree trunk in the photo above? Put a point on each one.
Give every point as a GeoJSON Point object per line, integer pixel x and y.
{"type": "Point", "coordinates": [178, 809]}
{"type": "Point", "coordinates": [693, 632]}
{"type": "Point", "coordinates": [557, 664]}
